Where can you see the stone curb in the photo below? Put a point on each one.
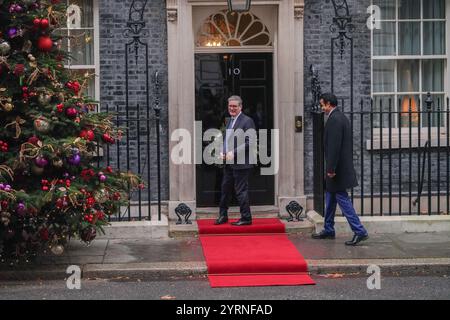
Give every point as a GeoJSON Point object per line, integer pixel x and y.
{"type": "Point", "coordinates": [189, 270]}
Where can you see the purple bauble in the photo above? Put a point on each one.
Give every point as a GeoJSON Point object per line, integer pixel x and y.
{"type": "Point", "coordinates": [2, 186]}
{"type": "Point", "coordinates": [21, 209]}
{"type": "Point", "coordinates": [41, 162]}
{"type": "Point", "coordinates": [12, 32]}
{"type": "Point", "coordinates": [7, 188]}
{"type": "Point", "coordinates": [75, 160]}
{"type": "Point", "coordinates": [102, 178]}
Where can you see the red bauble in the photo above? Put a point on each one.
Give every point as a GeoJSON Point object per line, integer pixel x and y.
{"type": "Point", "coordinates": [71, 112]}
{"type": "Point", "coordinates": [44, 24]}
{"type": "Point", "coordinates": [37, 22]}
{"type": "Point", "coordinates": [44, 234]}
{"type": "Point", "coordinates": [107, 138]}
{"type": "Point", "coordinates": [45, 44]}
{"type": "Point", "coordinates": [33, 140]}
{"type": "Point", "coordinates": [87, 135]}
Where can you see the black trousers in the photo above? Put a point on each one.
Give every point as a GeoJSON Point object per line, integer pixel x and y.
{"type": "Point", "coordinates": [237, 179]}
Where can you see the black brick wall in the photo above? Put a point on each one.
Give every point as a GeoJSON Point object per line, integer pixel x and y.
{"type": "Point", "coordinates": [113, 19]}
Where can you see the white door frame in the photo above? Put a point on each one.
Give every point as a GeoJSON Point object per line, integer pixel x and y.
{"type": "Point", "coordinates": [288, 97]}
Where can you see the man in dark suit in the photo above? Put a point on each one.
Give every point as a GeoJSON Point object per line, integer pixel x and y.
{"type": "Point", "coordinates": [237, 152]}
{"type": "Point", "coordinates": [340, 172]}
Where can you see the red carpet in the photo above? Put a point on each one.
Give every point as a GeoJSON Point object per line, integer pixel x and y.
{"type": "Point", "coordinates": [256, 255]}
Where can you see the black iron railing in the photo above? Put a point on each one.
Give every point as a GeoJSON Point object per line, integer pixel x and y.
{"type": "Point", "coordinates": [401, 155]}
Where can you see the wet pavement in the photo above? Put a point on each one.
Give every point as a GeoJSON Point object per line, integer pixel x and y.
{"type": "Point", "coordinates": [380, 246]}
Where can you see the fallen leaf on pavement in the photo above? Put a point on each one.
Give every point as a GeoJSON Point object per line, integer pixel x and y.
{"type": "Point", "coordinates": [333, 275]}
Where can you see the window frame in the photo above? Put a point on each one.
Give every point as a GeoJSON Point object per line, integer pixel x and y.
{"type": "Point", "coordinates": [96, 47]}
{"type": "Point", "coordinates": [404, 132]}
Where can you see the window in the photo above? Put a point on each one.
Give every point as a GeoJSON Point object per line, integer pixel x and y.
{"type": "Point", "coordinates": [227, 29]}
{"type": "Point", "coordinates": [82, 41]}
{"type": "Point", "coordinates": [409, 59]}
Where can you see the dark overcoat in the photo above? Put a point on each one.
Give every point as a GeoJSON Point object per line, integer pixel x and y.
{"type": "Point", "coordinates": [338, 153]}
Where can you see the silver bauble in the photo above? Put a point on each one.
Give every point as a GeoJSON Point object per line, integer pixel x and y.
{"type": "Point", "coordinates": [57, 250]}
{"type": "Point", "coordinates": [42, 125]}
{"type": "Point", "coordinates": [5, 48]}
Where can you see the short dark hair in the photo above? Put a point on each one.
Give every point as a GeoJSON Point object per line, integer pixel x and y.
{"type": "Point", "coordinates": [329, 98]}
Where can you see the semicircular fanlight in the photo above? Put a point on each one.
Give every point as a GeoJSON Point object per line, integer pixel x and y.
{"type": "Point", "coordinates": [232, 29]}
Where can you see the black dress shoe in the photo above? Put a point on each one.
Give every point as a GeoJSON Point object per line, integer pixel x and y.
{"type": "Point", "coordinates": [221, 220]}
{"type": "Point", "coordinates": [356, 239]}
{"type": "Point", "coordinates": [242, 223]}
{"type": "Point", "coordinates": [323, 235]}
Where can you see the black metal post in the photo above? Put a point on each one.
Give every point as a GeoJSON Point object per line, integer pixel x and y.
{"type": "Point", "coordinates": [157, 110]}
{"type": "Point", "coordinates": [430, 103]}
{"type": "Point", "coordinates": [318, 147]}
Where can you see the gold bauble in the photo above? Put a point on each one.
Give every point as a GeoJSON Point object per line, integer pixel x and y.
{"type": "Point", "coordinates": [44, 99]}
{"type": "Point", "coordinates": [8, 107]}
{"type": "Point", "coordinates": [58, 163]}
{"type": "Point", "coordinates": [101, 196]}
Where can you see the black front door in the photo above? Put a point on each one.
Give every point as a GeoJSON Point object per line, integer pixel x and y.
{"type": "Point", "coordinates": [217, 77]}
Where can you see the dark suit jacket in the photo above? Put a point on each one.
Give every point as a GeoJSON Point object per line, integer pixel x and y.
{"type": "Point", "coordinates": [242, 146]}
{"type": "Point", "coordinates": [338, 153]}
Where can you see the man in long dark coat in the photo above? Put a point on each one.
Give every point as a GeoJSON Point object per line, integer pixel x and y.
{"type": "Point", "coordinates": [340, 172]}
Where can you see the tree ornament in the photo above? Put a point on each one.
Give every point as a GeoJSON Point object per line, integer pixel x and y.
{"type": "Point", "coordinates": [87, 135]}
{"type": "Point", "coordinates": [5, 48]}
{"type": "Point", "coordinates": [5, 218]}
{"type": "Point", "coordinates": [33, 140]}
{"type": "Point", "coordinates": [116, 196]}
{"type": "Point", "coordinates": [74, 159]}
{"type": "Point", "coordinates": [8, 107]}
{"type": "Point", "coordinates": [19, 70]}
{"type": "Point", "coordinates": [4, 146]}
{"type": "Point", "coordinates": [57, 163]}
{"type": "Point", "coordinates": [42, 125]}
{"type": "Point", "coordinates": [13, 32]}
{"type": "Point", "coordinates": [101, 195]}
{"type": "Point", "coordinates": [44, 23]}
{"type": "Point", "coordinates": [37, 22]}
{"type": "Point", "coordinates": [15, 8]}
{"type": "Point", "coordinates": [21, 209]}
{"type": "Point", "coordinates": [44, 99]}
{"type": "Point", "coordinates": [107, 138]}
{"type": "Point", "coordinates": [44, 234]}
{"type": "Point", "coordinates": [4, 204]}
{"type": "Point", "coordinates": [57, 250]}
{"type": "Point", "coordinates": [45, 44]}
{"type": "Point", "coordinates": [5, 187]}
{"type": "Point", "coordinates": [71, 112]}
{"type": "Point", "coordinates": [75, 86]}
{"type": "Point", "coordinates": [41, 161]}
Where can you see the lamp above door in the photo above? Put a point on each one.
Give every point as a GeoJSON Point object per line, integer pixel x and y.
{"type": "Point", "coordinates": [239, 5]}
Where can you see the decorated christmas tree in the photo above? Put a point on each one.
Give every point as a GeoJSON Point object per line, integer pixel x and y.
{"type": "Point", "coordinates": [51, 189]}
